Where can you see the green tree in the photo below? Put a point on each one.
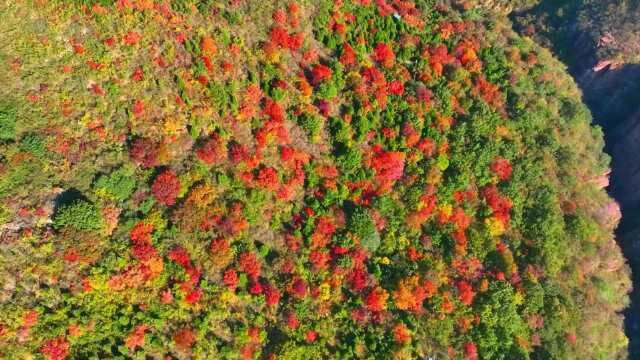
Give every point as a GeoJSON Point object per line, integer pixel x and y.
{"type": "Point", "coordinates": [79, 214]}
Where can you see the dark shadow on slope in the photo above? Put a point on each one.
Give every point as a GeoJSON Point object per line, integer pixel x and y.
{"type": "Point", "coordinates": [67, 197]}
{"type": "Point", "coordinates": [575, 30]}
{"type": "Point", "coordinates": [613, 96]}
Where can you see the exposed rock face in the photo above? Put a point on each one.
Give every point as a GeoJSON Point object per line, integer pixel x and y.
{"type": "Point", "coordinates": [599, 42]}
{"type": "Point", "coordinates": [11, 229]}
{"type": "Point", "coordinates": [612, 92]}
{"type": "Point", "coordinates": [610, 215]}
{"type": "Point", "coordinates": [609, 91]}
{"type": "Point", "coordinates": [602, 181]}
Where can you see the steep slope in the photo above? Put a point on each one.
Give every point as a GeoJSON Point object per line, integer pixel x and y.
{"type": "Point", "coordinates": [599, 41]}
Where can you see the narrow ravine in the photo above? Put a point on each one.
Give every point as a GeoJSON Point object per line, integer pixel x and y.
{"type": "Point", "coordinates": [611, 95]}
{"type": "Point", "coordinates": [598, 41]}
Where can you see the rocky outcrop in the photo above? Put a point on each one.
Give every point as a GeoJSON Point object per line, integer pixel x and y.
{"type": "Point", "coordinates": [609, 216]}
{"type": "Point", "coordinates": [602, 181]}
{"type": "Point", "coordinates": [612, 92]}
{"type": "Point", "coordinates": [600, 44]}
{"type": "Point", "coordinates": [9, 230]}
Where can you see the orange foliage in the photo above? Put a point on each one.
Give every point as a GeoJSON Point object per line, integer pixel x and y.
{"type": "Point", "coordinates": [376, 300]}
{"type": "Point", "coordinates": [136, 337]}
{"type": "Point", "coordinates": [208, 46]}
{"type": "Point", "coordinates": [184, 339]}
{"type": "Point", "coordinates": [401, 334]}
{"type": "Point", "coordinates": [410, 294]}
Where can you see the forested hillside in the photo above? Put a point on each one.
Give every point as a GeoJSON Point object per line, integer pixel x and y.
{"type": "Point", "coordinates": [293, 180]}
{"type": "Point", "coordinates": [599, 42]}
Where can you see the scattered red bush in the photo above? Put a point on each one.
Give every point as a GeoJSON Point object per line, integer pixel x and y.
{"type": "Point", "coordinates": [384, 55]}
{"type": "Point", "coordinates": [184, 339]}
{"type": "Point", "coordinates": [470, 351]}
{"type": "Point", "coordinates": [131, 38]}
{"type": "Point", "coordinates": [268, 178]}
{"type": "Point", "coordinates": [502, 168]}
{"type": "Point", "coordinates": [55, 349]}
{"type": "Point", "coordinates": [250, 265]}
{"type": "Point", "coordinates": [500, 204]}
{"type": "Point", "coordinates": [165, 187]}
{"type": "Point", "coordinates": [348, 57]}
{"type": "Point", "coordinates": [212, 151]}
{"type": "Point", "coordinates": [272, 295]}
{"type": "Point", "coordinates": [465, 292]}
{"type": "Point", "coordinates": [144, 152]}
{"type": "Point", "coordinates": [376, 300]}
{"type": "Point", "coordinates": [389, 166]}
{"type": "Point", "coordinates": [136, 337]}
{"type": "Point", "coordinates": [230, 279]}
{"type": "Point", "coordinates": [401, 334]}
{"type": "Point", "coordinates": [320, 73]}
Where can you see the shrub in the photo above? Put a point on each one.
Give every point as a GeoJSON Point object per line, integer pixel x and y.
{"type": "Point", "coordinates": [165, 187]}
{"type": "Point", "coordinates": [311, 124]}
{"type": "Point", "coordinates": [119, 184]}
{"type": "Point", "coordinates": [79, 214]}
{"type": "Point", "coordinates": [7, 124]}
{"type": "Point", "coordinates": [33, 144]}
{"type": "Point", "coordinates": [361, 223]}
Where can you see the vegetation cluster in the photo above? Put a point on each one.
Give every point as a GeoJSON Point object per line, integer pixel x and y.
{"type": "Point", "coordinates": [297, 180]}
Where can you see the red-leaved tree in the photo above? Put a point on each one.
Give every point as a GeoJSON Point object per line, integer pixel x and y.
{"type": "Point", "coordinates": [165, 187]}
